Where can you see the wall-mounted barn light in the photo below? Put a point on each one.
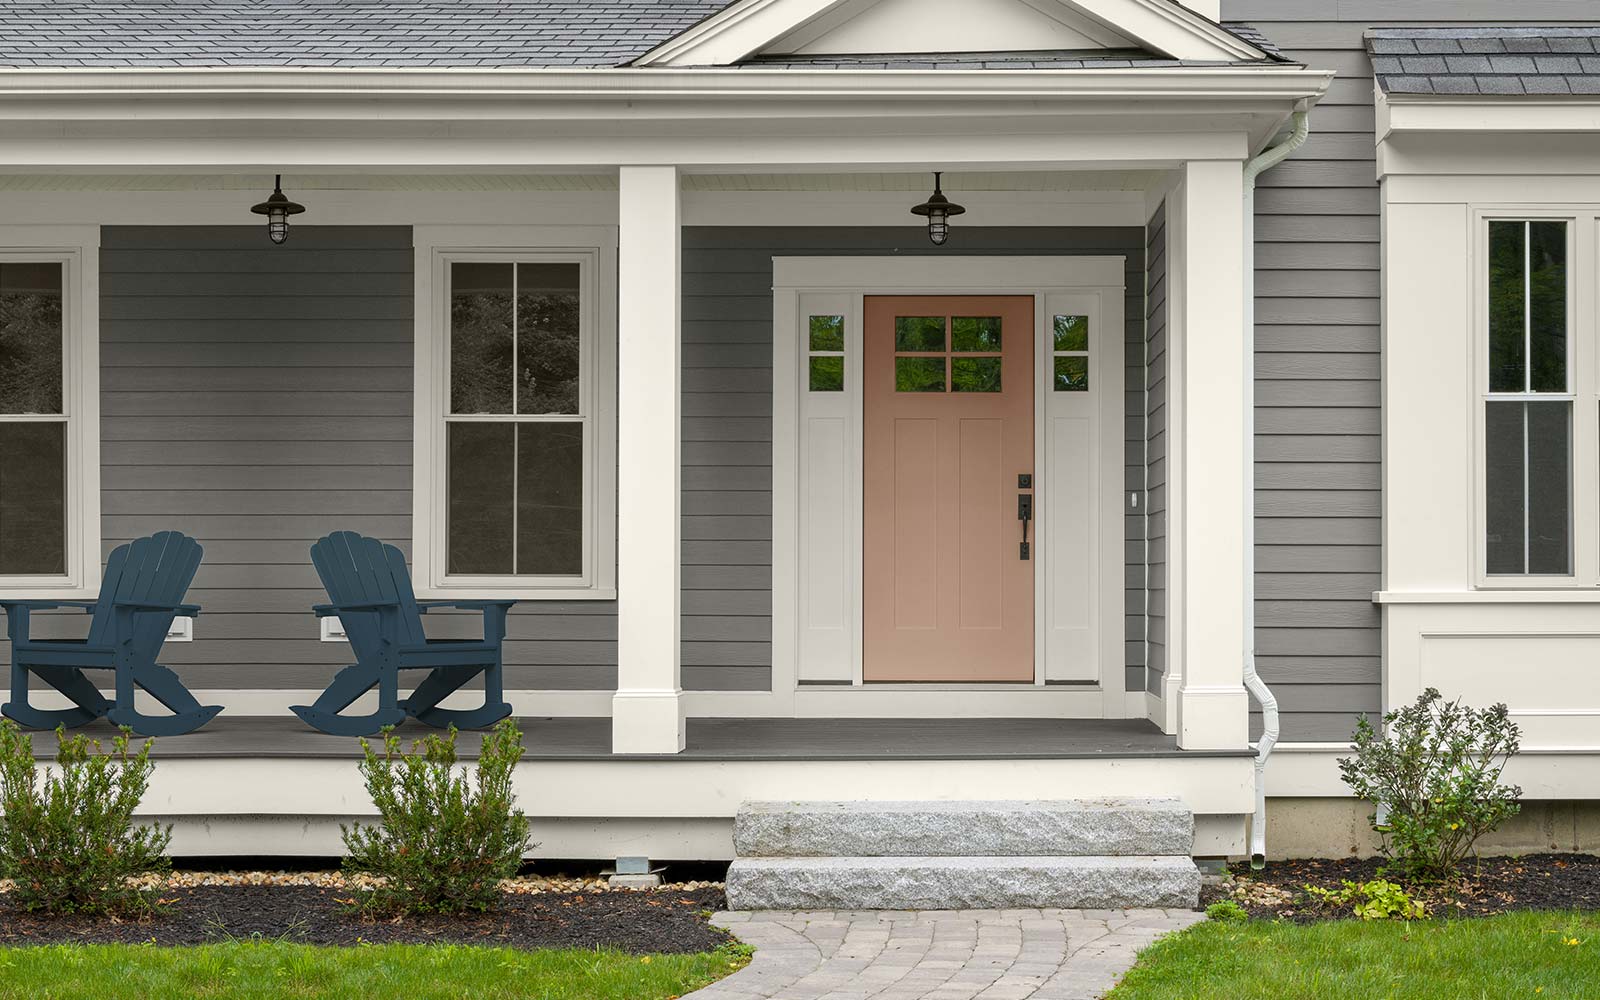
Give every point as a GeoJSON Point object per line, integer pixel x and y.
{"type": "Point", "coordinates": [277, 209]}
{"type": "Point", "coordinates": [938, 209]}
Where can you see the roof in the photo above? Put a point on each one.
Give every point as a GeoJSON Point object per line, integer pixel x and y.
{"type": "Point", "coordinates": [1509, 60]}
{"type": "Point", "coordinates": [438, 33]}
{"type": "Point", "coordinates": [340, 32]}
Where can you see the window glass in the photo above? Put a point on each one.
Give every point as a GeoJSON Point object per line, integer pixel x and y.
{"type": "Point", "coordinates": [30, 338]}
{"type": "Point", "coordinates": [1070, 343]}
{"type": "Point", "coordinates": [975, 374]}
{"type": "Point", "coordinates": [919, 333]}
{"type": "Point", "coordinates": [550, 499]}
{"type": "Point", "coordinates": [547, 338]}
{"type": "Point", "coordinates": [919, 375]}
{"type": "Point", "coordinates": [482, 337]}
{"type": "Point", "coordinates": [1507, 306]}
{"type": "Point", "coordinates": [33, 498]}
{"type": "Point", "coordinates": [975, 333]}
{"type": "Point", "coordinates": [33, 451]}
{"type": "Point", "coordinates": [827, 333]}
{"type": "Point", "coordinates": [1547, 288]}
{"type": "Point", "coordinates": [482, 505]}
{"type": "Point", "coordinates": [825, 371]}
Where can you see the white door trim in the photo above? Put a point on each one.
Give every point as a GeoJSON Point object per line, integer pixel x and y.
{"type": "Point", "coordinates": [840, 284]}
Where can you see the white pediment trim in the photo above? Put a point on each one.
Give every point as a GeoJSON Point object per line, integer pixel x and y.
{"type": "Point", "coordinates": [748, 28]}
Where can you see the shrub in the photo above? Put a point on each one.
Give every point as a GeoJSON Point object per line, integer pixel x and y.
{"type": "Point", "coordinates": [1436, 776]}
{"type": "Point", "coordinates": [1227, 911]}
{"type": "Point", "coordinates": [443, 845]}
{"type": "Point", "coordinates": [1375, 900]}
{"type": "Point", "coordinates": [67, 840]}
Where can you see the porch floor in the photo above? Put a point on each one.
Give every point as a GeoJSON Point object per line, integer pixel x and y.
{"type": "Point", "coordinates": [717, 739]}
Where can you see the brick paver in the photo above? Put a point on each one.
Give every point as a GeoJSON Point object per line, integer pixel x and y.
{"type": "Point", "coordinates": [939, 954]}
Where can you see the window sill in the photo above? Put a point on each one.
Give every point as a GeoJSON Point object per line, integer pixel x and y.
{"type": "Point", "coordinates": [1574, 595]}
{"type": "Point", "coordinates": [512, 594]}
{"type": "Point", "coordinates": [58, 591]}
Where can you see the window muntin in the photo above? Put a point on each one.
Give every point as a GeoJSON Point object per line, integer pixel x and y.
{"type": "Point", "coordinates": [518, 434]}
{"type": "Point", "coordinates": [34, 420]}
{"type": "Point", "coordinates": [1528, 406]}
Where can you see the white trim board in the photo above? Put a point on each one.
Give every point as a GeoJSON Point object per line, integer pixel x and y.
{"type": "Point", "coordinates": [817, 562]}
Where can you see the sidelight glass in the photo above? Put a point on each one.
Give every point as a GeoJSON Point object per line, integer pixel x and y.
{"type": "Point", "coordinates": [827, 373]}
{"type": "Point", "coordinates": [1071, 333]}
{"type": "Point", "coordinates": [827, 333]}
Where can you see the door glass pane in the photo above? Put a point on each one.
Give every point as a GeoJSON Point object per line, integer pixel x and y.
{"type": "Point", "coordinates": [481, 476]}
{"type": "Point", "coordinates": [1507, 306]}
{"type": "Point", "coordinates": [919, 333]}
{"type": "Point", "coordinates": [919, 374]}
{"type": "Point", "coordinates": [827, 374]}
{"type": "Point", "coordinates": [1072, 375]}
{"type": "Point", "coordinates": [1072, 333]}
{"type": "Point", "coordinates": [33, 498]}
{"type": "Point", "coordinates": [550, 499]}
{"type": "Point", "coordinates": [1547, 249]}
{"type": "Point", "coordinates": [975, 333]}
{"type": "Point", "coordinates": [975, 374]}
{"type": "Point", "coordinates": [1549, 488]}
{"type": "Point", "coordinates": [827, 333]}
{"type": "Point", "coordinates": [30, 338]}
{"type": "Point", "coordinates": [547, 338]}
{"type": "Point", "coordinates": [480, 338]}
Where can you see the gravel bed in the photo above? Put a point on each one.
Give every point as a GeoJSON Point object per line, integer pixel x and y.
{"type": "Point", "coordinates": [1485, 886]}
{"type": "Point", "coordinates": [661, 921]}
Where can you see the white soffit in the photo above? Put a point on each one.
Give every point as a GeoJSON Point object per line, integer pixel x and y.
{"type": "Point", "coordinates": [751, 28]}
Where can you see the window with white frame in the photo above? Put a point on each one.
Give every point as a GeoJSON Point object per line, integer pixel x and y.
{"type": "Point", "coordinates": [518, 432]}
{"type": "Point", "coordinates": [1530, 389]}
{"type": "Point", "coordinates": [49, 525]}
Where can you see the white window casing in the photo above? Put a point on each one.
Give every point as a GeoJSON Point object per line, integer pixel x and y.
{"type": "Point", "coordinates": [77, 250]}
{"type": "Point", "coordinates": [593, 250]}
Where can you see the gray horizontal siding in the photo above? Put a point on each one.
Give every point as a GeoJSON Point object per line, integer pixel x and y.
{"type": "Point", "coordinates": [1318, 448]}
{"type": "Point", "coordinates": [1154, 445]}
{"type": "Point", "coordinates": [258, 397]}
{"type": "Point", "coordinates": [727, 400]}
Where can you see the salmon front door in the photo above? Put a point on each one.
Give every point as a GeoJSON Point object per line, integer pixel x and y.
{"type": "Point", "coordinates": [948, 459]}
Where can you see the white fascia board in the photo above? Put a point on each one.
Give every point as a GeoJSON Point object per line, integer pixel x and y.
{"type": "Point", "coordinates": [747, 28]}
{"type": "Point", "coordinates": [1405, 113]}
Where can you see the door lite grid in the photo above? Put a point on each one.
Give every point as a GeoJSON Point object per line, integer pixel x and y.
{"type": "Point", "coordinates": [1529, 402]}
{"type": "Point", "coordinates": [517, 419]}
{"type": "Point", "coordinates": [33, 420]}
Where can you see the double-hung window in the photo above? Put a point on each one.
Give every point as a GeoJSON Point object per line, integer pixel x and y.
{"type": "Point", "coordinates": [516, 451]}
{"type": "Point", "coordinates": [49, 525]}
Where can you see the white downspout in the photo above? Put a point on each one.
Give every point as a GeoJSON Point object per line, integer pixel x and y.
{"type": "Point", "coordinates": [1253, 683]}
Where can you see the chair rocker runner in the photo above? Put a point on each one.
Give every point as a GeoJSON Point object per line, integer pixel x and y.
{"type": "Point", "coordinates": [145, 583]}
{"type": "Point", "coordinates": [370, 592]}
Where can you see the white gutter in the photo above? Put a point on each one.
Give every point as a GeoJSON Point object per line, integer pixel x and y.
{"type": "Point", "coordinates": [1252, 681]}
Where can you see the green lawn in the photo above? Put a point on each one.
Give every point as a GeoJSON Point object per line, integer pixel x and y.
{"type": "Point", "coordinates": [1522, 955]}
{"type": "Point", "coordinates": [404, 972]}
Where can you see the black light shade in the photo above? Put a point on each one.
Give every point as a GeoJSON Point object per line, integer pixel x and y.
{"type": "Point", "coordinates": [277, 209]}
{"type": "Point", "coordinates": [939, 210]}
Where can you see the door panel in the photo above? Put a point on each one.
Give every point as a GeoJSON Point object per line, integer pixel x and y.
{"type": "Point", "coordinates": [949, 422]}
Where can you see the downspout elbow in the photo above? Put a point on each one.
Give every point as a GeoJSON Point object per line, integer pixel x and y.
{"type": "Point", "coordinates": [1253, 683]}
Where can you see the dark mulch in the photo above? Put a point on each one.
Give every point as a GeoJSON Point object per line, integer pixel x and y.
{"type": "Point", "coordinates": [660, 922]}
{"type": "Point", "coordinates": [1486, 886]}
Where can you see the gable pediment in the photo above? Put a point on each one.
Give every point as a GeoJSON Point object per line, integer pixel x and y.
{"type": "Point", "coordinates": [753, 29]}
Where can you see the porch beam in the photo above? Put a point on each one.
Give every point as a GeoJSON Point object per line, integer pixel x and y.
{"type": "Point", "coordinates": [647, 709]}
{"type": "Point", "coordinates": [1209, 392]}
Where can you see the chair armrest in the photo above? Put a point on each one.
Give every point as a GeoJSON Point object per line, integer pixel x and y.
{"type": "Point", "coordinates": [176, 609]}
{"type": "Point", "coordinates": [333, 610]}
{"type": "Point", "coordinates": [426, 606]}
{"type": "Point", "coordinates": [87, 607]}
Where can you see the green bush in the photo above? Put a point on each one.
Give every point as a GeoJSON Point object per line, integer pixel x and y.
{"type": "Point", "coordinates": [1375, 900]}
{"type": "Point", "coordinates": [1227, 910]}
{"type": "Point", "coordinates": [67, 838]}
{"type": "Point", "coordinates": [1435, 775]}
{"type": "Point", "coordinates": [443, 845]}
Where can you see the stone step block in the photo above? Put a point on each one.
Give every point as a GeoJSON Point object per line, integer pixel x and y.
{"type": "Point", "coordinates": [946, 883]}
{"type": "Point", "coordinates": [1044, 828]}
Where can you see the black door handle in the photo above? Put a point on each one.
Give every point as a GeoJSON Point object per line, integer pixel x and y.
{"type": "Point", "coordinates": [1024, 514]}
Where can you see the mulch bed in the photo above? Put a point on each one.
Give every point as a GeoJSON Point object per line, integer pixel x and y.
{"type": "Point", "coordinates": [658, 922]}
{"type": "Point", "coordinates": [1486, 886]}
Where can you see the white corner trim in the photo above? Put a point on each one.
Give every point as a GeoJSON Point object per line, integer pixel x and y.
{"type": "Point", "coordinates": [751, 26]}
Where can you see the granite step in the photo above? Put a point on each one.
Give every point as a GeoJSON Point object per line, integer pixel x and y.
{"type": "Point", "coordinates": [1045, 828]}
{"type": "Point", "coordinates": [961, 883]}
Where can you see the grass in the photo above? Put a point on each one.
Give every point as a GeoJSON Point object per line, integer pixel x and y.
{"type": "Point", "coordinates": [1524, 955]}
{"type": "Point", "coordinates": [281, 971]}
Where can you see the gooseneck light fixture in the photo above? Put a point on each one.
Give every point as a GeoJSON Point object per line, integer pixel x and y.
{"type": "Point", "coordinates": [939, 210]}
{"type": "Point", "coordinates": [277, 209]}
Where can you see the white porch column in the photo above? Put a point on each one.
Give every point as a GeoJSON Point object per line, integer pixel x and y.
{"type": "Point", "coordinates": [1210, 390]}
{"type": "Point", "coordinates": [647, 712]}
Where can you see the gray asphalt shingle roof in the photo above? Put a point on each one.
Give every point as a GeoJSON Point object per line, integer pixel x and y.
{"type": "Point", "coordinates": [1509, 60]}
{"type": "Point", "coordinates": [448, 33]}
{"type": "Point", "coordinates": [340, 32]}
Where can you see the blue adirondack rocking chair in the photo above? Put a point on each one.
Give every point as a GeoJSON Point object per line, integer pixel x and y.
{"type": "Point", "coordinates": [369, 590]}
{"type": "Point", "coordinates": [144, 585]}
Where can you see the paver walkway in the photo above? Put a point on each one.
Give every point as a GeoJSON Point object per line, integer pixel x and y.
{"type": "Point", "coordinates": [939, 954]}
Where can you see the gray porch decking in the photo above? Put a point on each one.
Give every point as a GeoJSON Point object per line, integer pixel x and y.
{"type": "Point", "coordinates": [717, 740]}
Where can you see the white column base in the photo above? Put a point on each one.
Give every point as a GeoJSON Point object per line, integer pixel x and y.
{"type": "Point", "coordinates": [1214, 718]}
{"type": "Point", "coordinates": [647, 722]}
